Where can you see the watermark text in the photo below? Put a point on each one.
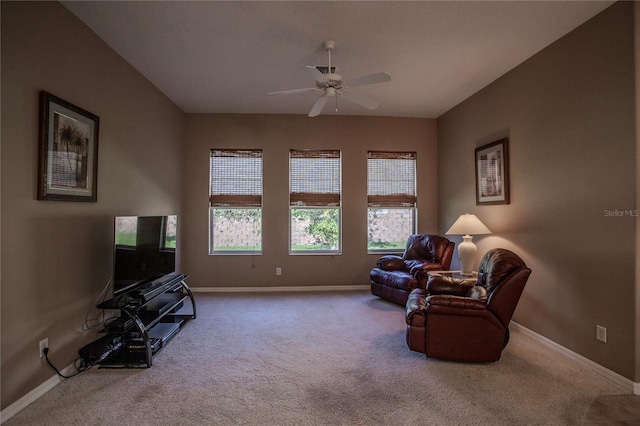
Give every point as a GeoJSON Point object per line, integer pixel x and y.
{"type": "Point", "coordinates": [622, 213]}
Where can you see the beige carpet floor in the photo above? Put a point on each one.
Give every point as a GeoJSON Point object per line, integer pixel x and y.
{"type": "Point", "coordinates": [319, 359]}
{"type": "Point", "coordinates": [610, 410]}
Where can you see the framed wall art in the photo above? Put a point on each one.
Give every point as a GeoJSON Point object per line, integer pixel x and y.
{"type": "Point", "coordinates": [492, 173]}
{"type": "Point", "coordinates": [68, 151]}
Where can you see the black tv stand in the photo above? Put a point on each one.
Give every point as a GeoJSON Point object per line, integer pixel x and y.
{"type": "Point", "coordinates": [148, 319]}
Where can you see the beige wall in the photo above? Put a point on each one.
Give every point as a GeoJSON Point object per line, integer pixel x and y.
{"type": "Point", "coordinates": [569, 115]}
{"type": "Point", "coordinates": [56, 256]}
{"type": "Point", "coordinates": [276, 135]}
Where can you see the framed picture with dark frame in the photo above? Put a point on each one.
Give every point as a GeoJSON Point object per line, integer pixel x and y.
{"type": "Point", "coordinates": [492, 173]}
{"type": "Point", "coordinates": [68, 151]}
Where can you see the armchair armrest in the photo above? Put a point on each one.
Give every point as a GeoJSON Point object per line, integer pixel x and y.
{"type": "Point", "coordinates": [391, 263]}
{"type": "Point", "coordinates": [420, 269]}
{"type": "Point", "coordinates": [446, 285]}
{"type": "Point", "coordinates": [447, 306]}
{"type": "Point", "coordinates": [421, 266]}
{"type": "Point", "coordinates": [456, 302]}
{"type": "Point", "coordinates": [416, 304]}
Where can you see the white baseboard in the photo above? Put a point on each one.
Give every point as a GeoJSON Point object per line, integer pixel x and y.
{"type": "Point", "coordinates": [36, 393]}
{"type": "Point", "coordinates": [623, 382]}
{"type": "Point", "coordinates": [278, 289]}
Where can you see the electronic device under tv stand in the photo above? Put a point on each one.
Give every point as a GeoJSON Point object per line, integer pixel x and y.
{"type": "Point", "coordinates": [149, 317]}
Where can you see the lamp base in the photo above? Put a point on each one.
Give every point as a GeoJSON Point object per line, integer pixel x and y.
{"type": "Point", "coordinates": [467, 251]}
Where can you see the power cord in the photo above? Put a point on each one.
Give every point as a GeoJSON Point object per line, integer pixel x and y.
{"type": "Point", "coordinates": [99, 319]}
{"type": "Point", "coordinates": [79, 368]}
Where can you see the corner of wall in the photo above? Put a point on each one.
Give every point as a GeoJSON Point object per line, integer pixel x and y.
{"type": "Point", "coordinates": [636, 47]}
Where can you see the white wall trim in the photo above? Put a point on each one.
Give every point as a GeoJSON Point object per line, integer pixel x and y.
{"type": "Point", "coordinates": [623, 382]}
{"type": "Point", "coordinates": [36, 393]}
{"type": "Point", "coordinates": [278, 289]}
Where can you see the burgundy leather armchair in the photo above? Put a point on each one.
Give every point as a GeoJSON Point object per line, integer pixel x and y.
{"type": "Point", "coordinates": [395, 276]}
{"type": "Point", "coordinates": [467, 322]}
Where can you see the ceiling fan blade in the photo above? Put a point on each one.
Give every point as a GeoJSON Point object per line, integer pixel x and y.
{"type": "Point", "coordinates": [317, 107]}
{"type": "Point", "coordinates": [360, 100]}
{"type": "Point", "coordinates": [316, 74]}
{"type": "Point", "coordinates": [380, 77]}
{"type": "Point", "coordinates": [294, 91]}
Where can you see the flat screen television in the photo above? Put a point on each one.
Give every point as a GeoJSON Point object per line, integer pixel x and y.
{"type": "Point", "coordinates": [144, 250]}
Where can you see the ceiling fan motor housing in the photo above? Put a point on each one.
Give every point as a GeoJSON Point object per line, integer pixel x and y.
{"type": "Point", "coordinates": [333, 81]}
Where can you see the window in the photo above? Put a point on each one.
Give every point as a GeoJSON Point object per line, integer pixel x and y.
{"type": "Point", "coordinates": [391, 191]}
{"type": "Point", "coordinates": [235, 200]}
{"type": "Point", "coordinates": [314, 201]}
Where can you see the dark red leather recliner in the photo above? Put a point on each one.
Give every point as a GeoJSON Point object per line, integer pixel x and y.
{"type": "Point", "coordinates": [467, 322]}
{"type": "Point", "coordinates": [395, 277]}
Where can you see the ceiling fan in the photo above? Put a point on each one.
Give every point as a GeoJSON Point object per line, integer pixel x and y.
{"type": "Point", "coordinates": [332, 85]}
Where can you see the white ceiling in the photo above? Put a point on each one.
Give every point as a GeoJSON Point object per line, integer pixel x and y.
{"type": "Point", "coordinates": [223, 56]}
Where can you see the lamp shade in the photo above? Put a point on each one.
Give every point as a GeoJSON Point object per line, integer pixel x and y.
{"type": "Point", "coordinates": [468, 224]}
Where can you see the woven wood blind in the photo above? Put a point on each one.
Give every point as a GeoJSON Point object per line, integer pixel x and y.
{"type": "Point", "coordinates": [236, 178]}
{"type": "Point", "coordinates": [391, 179]}
{"type": "Point", "coordinates": [314, 177]}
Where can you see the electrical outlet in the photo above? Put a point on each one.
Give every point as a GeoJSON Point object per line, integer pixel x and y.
{"type": "Point", "coordinates": [278, 271]}
{"type": "Point", "coordinates": [44, 344]}
{"type": "Point", "coordinates": [601, 333]}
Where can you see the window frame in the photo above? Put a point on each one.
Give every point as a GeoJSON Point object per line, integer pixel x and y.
{"type": "Point", "coordinates": [250, 198]}
{"type": "Point", "coordinates": [392, 201]}
{"type": "Point", "coordinates": [316, 200]}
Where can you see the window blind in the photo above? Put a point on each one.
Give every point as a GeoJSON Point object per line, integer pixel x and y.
{"type": "Point", "coordinates": [314, 177]}
{"type": "Point", "coordinates": [391, 179]}
{"type": "Point", "coordinates": [236, 178]}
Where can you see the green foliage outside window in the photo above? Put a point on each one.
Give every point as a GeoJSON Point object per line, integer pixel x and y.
{"type": "Point", "coordinates": [323, 227]}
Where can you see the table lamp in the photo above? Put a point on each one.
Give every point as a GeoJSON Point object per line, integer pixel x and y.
{"type": "Point", "coordinates": [467, 225]}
